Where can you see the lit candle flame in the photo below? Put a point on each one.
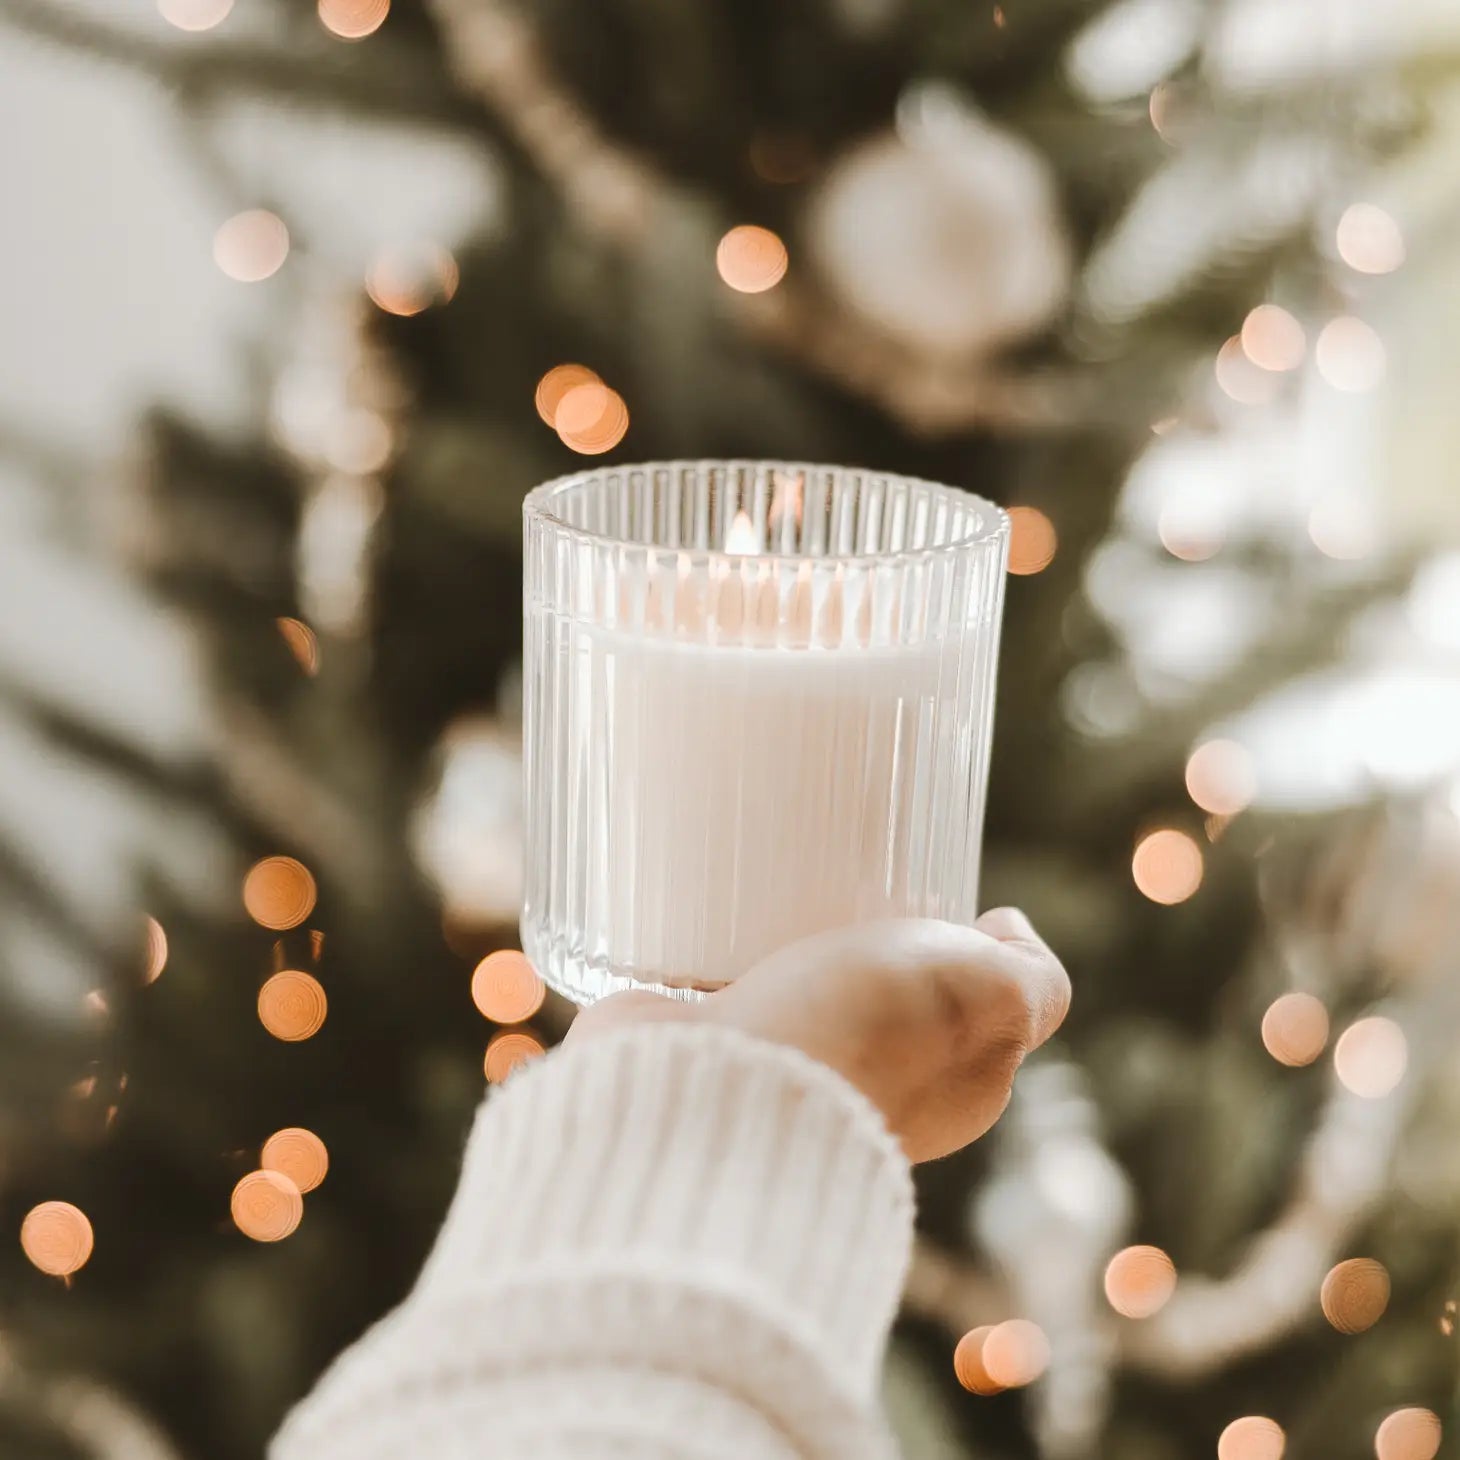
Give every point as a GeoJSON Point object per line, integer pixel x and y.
{"type": "Point", "coordinates": [742, 540]}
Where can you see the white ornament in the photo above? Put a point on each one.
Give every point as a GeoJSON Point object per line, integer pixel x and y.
{"type": "Point", "coordinates": [944, 234]}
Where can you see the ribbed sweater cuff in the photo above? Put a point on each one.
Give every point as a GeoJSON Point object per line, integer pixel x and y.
{"type": "Point", "coordinates": [701, 1158]}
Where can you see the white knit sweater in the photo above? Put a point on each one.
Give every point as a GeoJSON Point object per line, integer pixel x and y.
{"type": "Point", "coordinates": [673, 1241]}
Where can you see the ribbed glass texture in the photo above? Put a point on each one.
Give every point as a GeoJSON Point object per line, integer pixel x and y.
{"type": "Point", "coordinates": [758, 704]}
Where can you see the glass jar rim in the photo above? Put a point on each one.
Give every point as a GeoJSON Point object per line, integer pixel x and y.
{"type": "Point", "coordinates": [989, 526]}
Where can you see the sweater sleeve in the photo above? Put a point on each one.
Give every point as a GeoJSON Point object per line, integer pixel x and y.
{"type": "Point", "coordinates": [673, 1241]}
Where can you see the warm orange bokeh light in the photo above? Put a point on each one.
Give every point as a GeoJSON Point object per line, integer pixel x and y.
{"type": "Point", "coordinates": [1221, 778]}
{"type": "Point", "coordinates": [266, 1206]}
{"type": "Point", "coordinates": [1409, 1434]}
{"type": "Point", "coordinates": [751, 259]}
{"type": "Point", "coordinates": [194, 14]}
{"type": "Point", "coordinates": [298, 1154]}
{"type": "Point", "coordinates": [968, 1362]}
{"type": "Point", "coordinates": [1273, 338]}
{"type": "Point", "coordinates": [506, 988]}
{"type": "Point", "coordinates": [352, 20]}
{"type": "Point", "coordinates": [591, 418]}
{"type": "Point", "coordinates": [57, 1238]}
{"type": "Point", "coordinates": [292, 1005]}
{"type": "Point", "coordinates": [1369, 240]}
{"type": "Point", "coordinates": [1240, 379]}
{"type": "Point", "coordinates": [278, 893]}
{"type": "Point", "coordinates": [1032, 540]}
{"type": "Point", "coordinates": [1350, 355]}
{"type": "Point", "coordinates": [1167, 866]}
{"type": "Point", "coordinates": [1015, 1352]}
{"type": "Point", "coordinates": [407, 280]}
{"type": "Point", "coordinates": [556, 383]}
{"type": "Point", "coordinates": [1355, 1294]}
{"type": "Point", "coordinates": [1295, 1029]}
{"type": "Point", "coordinates": [1371, 1056]}
{"type": "Point", "coordinates": [155, 959]}
{"type": "Point", "coordinates": [1253, 1437]}
{"type": "Point", "coordinates": [507, 1051]}
{"type": "Point", "coordinates": [1139, 1281]}
{"type": "Point", "coordinates": [301, 641]}
{"type": "Point", "coordinates": [1182, 537]}
{"type": "Point", "coordinates": [251, 246]}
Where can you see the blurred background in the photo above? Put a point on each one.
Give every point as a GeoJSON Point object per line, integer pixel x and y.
{"type": "Point", "coordinates": [1171, 279]}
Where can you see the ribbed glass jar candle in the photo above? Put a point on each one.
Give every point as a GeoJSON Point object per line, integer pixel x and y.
{"type": "Point", "coordinates": [758, 700]}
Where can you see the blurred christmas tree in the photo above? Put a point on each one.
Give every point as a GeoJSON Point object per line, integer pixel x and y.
{"type": "Point", "coordinates": [1018, 239]}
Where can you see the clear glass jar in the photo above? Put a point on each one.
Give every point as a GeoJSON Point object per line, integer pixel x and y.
{"type": "Point", "coordinates": [758, 700]}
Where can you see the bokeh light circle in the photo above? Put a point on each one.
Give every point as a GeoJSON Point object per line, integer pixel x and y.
{"type": "Point", "coordinates": [1295, 1029]}
{"type": "Point", "coordinates": [556, 383]}
{"type": "Point", "coordinates": [1371, 1056]}
{"type": "Point", "coordinates": [292, 1005]}
{"type": "Point", "coordinates": [251, 246]}
{"type": "Point", "coordinates": [302, 642]}
{"type": "Point", "coordinates": [1139, 1281]}
{"type": "Point", "coordinates": [751, 259]}
{"type": "Point", "coordinates": [155, 956]}
{"type": "Point", "coordinates": [1032, 541]}
{"type": "Point", "coordinates": [1369, 240]}
{"type": "Point", "coordinates": [968, 1364]}
{"type": "Point", "coordinates": [1221, 777]}
{"type": "Point", "coordinates": [353, 20]}
{"type": "Point", "coordinates": [266, 1205]}
{"type": "Point", "coordinates": [1409, 1434]}
{"type": "Point", "coordinates": [1167, 866]}
{"type": "Point", "coordinates": [278, 893]}
{"type": "Point", "coordinates": [1015, 1352]}
{"type": "Point", "coordinates": [509, 1051]}
{"type": "Point", "coordinates": [1253, 1437]}
{"type": "Point", "coordinates": [1350, 355]}
{"type": "Point", "coordinates": [298, 1154]}
{"type": "Point", "coordinates": [591, 418]}
{"type": "Point", "coordinates": [506, 988]}
{"type": "Point", "coordinates": [194, 15]}
{"type": "Point", "coordinates": [1272, 338]}
{"type": "Point", "coordinates": [1355, 1294]}
{"type": "Point", "coordinates": [57, 1238]}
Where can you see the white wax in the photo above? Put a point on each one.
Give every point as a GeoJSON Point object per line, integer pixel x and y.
{"type": "Point", "coordinates": [755, 795]}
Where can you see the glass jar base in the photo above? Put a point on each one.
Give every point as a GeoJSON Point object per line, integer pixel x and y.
{"type": "Point", "coordinates": [586, 980]}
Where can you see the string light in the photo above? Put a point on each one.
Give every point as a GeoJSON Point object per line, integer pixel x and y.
{"type": "Point", "coordinates": [1032, 541]}
{"type": "Point", "coordinates": [751, 259]}
{"type": "Point", "coordinates": [292, 1005]}
{"type": "Point", "coordinates": [302, 643]}
{"type": "Point", "coordinates": [556, 383]}
{"type": "Point", "coordinates": [251, 246]}
{"type": "Point", "coordinates": [1295, 1029]}
{"type": "Point", "coordinates": [1409, 1434]}
{"type": "Point", "coordinates": [506, 989]}
{"type": "Point", "coordinates": [1355, 1294]}
{"type": "Point", "coordinates": [1139, 1281]}
{"type": "Point", "coordinates": [298, 1154]}
{"type": "Point", "coordinates": [968, 1363]}
{"type": "Point", "coordinates": [1240, 379]}
{"type": "Point", "coordinates": [1371, 1056]}
{"type": "Point", "coordinates": [1253, 1437]}
{"type": "Point", "coordinates": [194, 14]}
{"type": "Point", "coordinates": [507, 1052]}
{"type": "Point", "coordinates": [57, 1238]}
{"type": "Point", "coordinates": [352, 20]}
{"type": "Point", "coordinates": [1369, 240]}
{"type": "Point", "coordinates": [278, 893]}
{"type": "Point", "coordinates": [1349, 354]}
{"type": "Point", "coordinates": [1015, 1353]}
{"type": "Point", "coordinates": [1221, 778]}
{"type": "Point", "coordinates": [591, 418]}
{"type": "Point", "coordinates": [1272, 338]}
{"type": "Point", "coordinates": [266, 1206]}
{"type": "Point", "coordinates": [1167, 866]}
{"type": "Point", "coordinates": [155, 959]}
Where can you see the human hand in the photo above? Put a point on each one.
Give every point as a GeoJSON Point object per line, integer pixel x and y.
{"type": "Point", "coordinates": [928, 1019]}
